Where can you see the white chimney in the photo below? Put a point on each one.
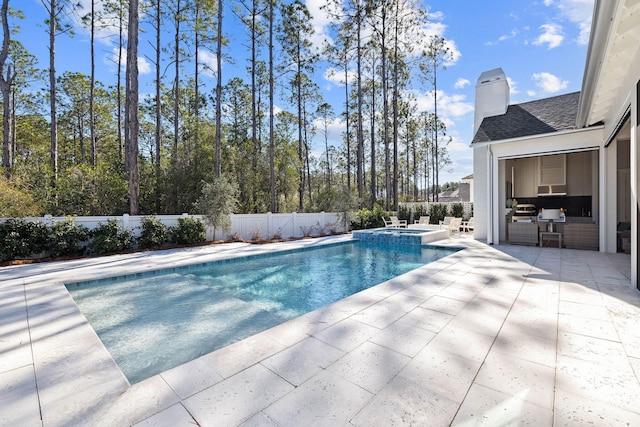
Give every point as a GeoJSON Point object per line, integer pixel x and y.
{"type": "Point", "coordinates": [492, 96]}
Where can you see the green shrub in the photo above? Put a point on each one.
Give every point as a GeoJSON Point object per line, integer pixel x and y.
{"type": "Point", "coordinates": [437, 212]}
{"type": "Point", "coordinates": [367, 218]}
{"type": "Point", "coordinates": [16, 200]}
{"type": "Point", "coordinates": [404, 213]}
{"type": "Point", "coordinates": [21, 239]}
{"type": "Point", "coordinates": [154, 233]}
{"type": "Point", "coordinates": [110, 237]}
{"type": "Point", "coordinates": [418, 211]}
{"type": "Point", "coordinates": [457, 210]}
{"type": "Point", "coordinates": [217, 202]}
{"type": "Point", "coordinates": [188, 231]}
{"type": "Point", "coordinates": [67, 238]}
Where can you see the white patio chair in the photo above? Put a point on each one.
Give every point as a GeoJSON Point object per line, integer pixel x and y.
{"type": "Point", "coordinates": [424, 220]}
{"type": "Point", "coordinates": [467, 225]}
{"type": "Point", "coordinates": [454, 225]}
{"type": "Point", "coordinates": [401, 223]}
{"type": "Point", "coordinates": [444, 224]}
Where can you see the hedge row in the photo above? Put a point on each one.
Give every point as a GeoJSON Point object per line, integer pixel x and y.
{"type": "Point", "coordinates": [373, 218]}
{"type": "Point", "coordinates": [20, 239]}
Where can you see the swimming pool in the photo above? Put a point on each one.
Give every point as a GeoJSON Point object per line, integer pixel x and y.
{"type": "Point", "coordinates": [155, 321]}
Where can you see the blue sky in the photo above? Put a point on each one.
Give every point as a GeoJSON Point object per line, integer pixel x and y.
{"type": "Point", "coordinates": [541, 46]}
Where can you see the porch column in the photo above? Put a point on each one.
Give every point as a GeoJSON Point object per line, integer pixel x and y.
{"type": "Point", "coordinates": [635, 185]}
{"type": "Point", "coordinates": [608, 203]}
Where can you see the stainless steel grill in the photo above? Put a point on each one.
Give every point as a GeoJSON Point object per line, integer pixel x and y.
{"type": "Point", "coordinates": [525, 212]}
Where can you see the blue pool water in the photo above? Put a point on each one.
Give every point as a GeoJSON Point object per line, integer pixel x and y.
{"type": "Point", "coordinates": [156, 321]}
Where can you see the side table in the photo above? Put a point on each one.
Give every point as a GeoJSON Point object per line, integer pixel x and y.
{"type": "Point", "coordinates": [551, 233]}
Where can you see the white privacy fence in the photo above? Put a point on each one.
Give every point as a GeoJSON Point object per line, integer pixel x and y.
{"type": "Point", "coordinates": [247, 226]}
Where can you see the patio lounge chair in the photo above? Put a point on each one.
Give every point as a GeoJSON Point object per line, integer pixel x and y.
{"type": "Point", "coordinates": [454, 225]}
{"type": "Point", "coordinates": [424, 220]}
{"type": "Point", "coordinates": [395, 222]}
{"type": "Point", "coordinates": [444, 224]}
{"type": "Point", "coordinates": [467, 225]}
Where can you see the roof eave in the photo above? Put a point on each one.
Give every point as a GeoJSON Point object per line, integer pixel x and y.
{"type": "Point", "coordinates": [537, 136]}
{"type": "Point", "coordinates": [603, 11]}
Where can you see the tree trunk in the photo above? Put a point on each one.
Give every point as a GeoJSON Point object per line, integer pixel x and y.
{"type": "Point", "coordinates": [119, 79]}
{"type": "Point", "coordinates": [92, 116]}
{"type": "Point", "coordinates": [5, 87]}
{"type": "Point", "coordinates": [385, 112]}
{"type": "Point", "coordinates": [272, 143]}
{"type": "Point", "coordinates": [196, 72]}
{"type": "Point", "coordinates": [395, 112]}
{"type": "Point", "coordinates": [347, 121]}
{"type": "Point", "coordinates": [52, 91]}
{"type": "Point", "coordinates": [131, 110]}
{"type": "Point", "coordinates": [158, 109]}
{"type": "Point", "coordinates": [436, 165]}
{"type": "Point", "coordinates": [360, 136]}
{"type": "Point", "coordinates": [373, 140]}
{"type": "Point", "coordinates": [176, 85]}
{"type": "Point", "coordinates": [301, 156]}
{"type": "Point", "coordinates": [218, 164]}
{"type": "Point", "coordinates": [255, 100]}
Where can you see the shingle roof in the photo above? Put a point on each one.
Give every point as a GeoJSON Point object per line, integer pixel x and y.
{"type": "Point", "coordinates": [531, 118]}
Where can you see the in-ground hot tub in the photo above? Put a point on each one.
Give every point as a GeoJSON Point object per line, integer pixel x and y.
{"type": "Point", "coordinates": [402, 236]}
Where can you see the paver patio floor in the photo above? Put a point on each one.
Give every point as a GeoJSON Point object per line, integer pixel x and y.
{"type": "Point", "coordinates": [491, 335]}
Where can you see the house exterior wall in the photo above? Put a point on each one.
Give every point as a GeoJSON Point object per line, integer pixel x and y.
{"type": "Point", "coordinates": [481, 202]}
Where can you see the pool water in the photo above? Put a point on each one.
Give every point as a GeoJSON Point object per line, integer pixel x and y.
{"type": "Point", "coordinates": [156, 321]}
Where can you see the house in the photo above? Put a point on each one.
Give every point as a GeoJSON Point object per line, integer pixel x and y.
{"type": "Point", "coordinates": [461, 194]}
{"type": "Point", "coordinates": [576, 153]}
{"type": "Point", "coordinates": [468, 182]}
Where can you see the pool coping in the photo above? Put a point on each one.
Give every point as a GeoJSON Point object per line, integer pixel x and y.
{"type": "Point", "coordinates": [58, 372]}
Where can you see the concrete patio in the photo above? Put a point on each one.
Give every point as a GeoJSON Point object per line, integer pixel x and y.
{"type": "Point", "coordinates": [491, 335]}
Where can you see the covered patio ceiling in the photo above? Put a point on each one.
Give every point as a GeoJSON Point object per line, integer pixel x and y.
{"type": "Point", "coordinates": [615, 41]}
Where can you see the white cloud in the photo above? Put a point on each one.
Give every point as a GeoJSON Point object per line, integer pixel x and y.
{"type": "Point", "coordinates": [106, 27]}
{"type": "Point", "coordinates": [514, 33]}
{"type": "Point", "coordinates": [320, 21]}
{"type": "Point", "coordinates": [144, 67]}
{"type": "Point", "coordinates": [578, 12]}
{"type": "Point", "coordinates": [457, 145]}
{"type": "Point", "coordinates": [435, 27]}
{"type": "Point", "coordinates": [549, 83]}
{"type": "Point", "coordinates": [208, 62]}
{"type": "Point", "coordinates": [336, 77]}
{"type": "Point", "coordinates": [551, 36]}
{"type": "Point", "coordinates": [513, 86]}
{"type": "Point", "coordinates": [531, 93]}
{"type": "Point", "coordinates": [111, 58]}
{"type": "Point", "coordinates": [460, 83]}
{"type": "Point", "coordinates": [335, 128]}
{"type": "Point", "coordinates": [511, 35]}
{"type": "Point", "coordinates": [449, 106]}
